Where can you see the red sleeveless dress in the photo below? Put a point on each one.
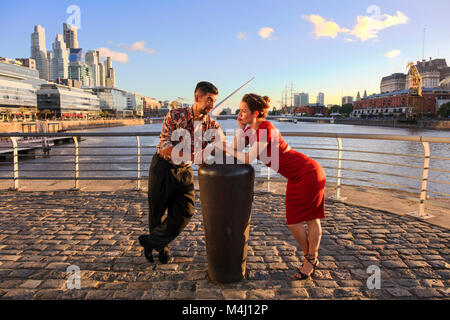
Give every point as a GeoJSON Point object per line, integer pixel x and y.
{"type": "Point", "coordinates": [305, 191]}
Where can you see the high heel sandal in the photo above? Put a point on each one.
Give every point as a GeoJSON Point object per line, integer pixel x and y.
{"type": "Point", "coordinates": [314, 263]}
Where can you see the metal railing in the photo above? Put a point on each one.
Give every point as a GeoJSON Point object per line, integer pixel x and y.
{"type": "Point", "coordinates": [15, 149]}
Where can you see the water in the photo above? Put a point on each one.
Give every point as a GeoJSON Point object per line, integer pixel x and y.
{"type": "Point", "coordinates": [97, 162]}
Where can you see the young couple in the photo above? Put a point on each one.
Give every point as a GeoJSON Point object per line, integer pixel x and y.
{"type": "Point", "coordinates": [171, 183]}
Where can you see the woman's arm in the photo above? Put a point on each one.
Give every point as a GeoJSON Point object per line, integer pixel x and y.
{"type": "Point", "coordinates": [257, 149]}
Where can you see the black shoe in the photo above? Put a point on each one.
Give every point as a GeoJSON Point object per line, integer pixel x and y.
{"type": "Point", "coordinates": [143, 241]}
{"type": "Point", "coordinates": [164, 255]}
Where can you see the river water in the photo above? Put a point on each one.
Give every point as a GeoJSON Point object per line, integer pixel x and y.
{"type": "Point", "coordinates": [121, 162]}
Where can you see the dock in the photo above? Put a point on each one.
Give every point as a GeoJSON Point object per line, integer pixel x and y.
{"type": "Point", "coordinates": [30, 146]}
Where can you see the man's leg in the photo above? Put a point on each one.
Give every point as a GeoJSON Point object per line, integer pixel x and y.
{"type": "Point", "coordinates": [159, 191]}
{"type": "Point", "coordinates": [180, 211]}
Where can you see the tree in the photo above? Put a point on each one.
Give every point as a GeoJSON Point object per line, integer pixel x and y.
{"type": "Point", "coordinates": [444, 110]}
{"type": "Point", "coordinates": [346, 109]}
{"type": "Point", "coordinates": [223, 113]}
{"type": "Point", "coordinates": [335, 109]}
{"type": "Point", "coordinates": [237, 111]}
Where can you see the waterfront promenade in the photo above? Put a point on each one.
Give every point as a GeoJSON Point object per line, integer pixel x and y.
{"type": "Point", "coordinates": [42, 233]}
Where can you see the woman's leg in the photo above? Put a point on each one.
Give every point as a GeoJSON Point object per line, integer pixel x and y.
{"type": "Point", "coordinates": [314, 237]}
{"type": "Point", "coordinates": [300, 235]}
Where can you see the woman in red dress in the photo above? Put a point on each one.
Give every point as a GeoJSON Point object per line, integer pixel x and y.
{"type": "Point", "coordinates": [306, 178]}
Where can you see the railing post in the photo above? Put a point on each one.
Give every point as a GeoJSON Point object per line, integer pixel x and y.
{"type": "Point", "coordinates": [16, 164]}
{"type": "Point", "coordinates": [339, 166]}
{"type": "Point", "coordinates": [77, 165]}
{"type": "Point", "coordinates": [138, 187]}
{"type": "Point", "coordinates": [423, 190]}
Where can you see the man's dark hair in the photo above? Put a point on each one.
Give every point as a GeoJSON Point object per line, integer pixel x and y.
{"type": "Point", "coordinates": [205, 87]}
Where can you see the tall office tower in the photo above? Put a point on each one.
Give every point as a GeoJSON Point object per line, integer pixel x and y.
{"type": "Point", "coordinates": [70, 36]}
{"type": "Point", "coordinates": [111, 79]}
{"type": "Point", "coordinates": [50, 65]}
{"type": "Point", "coordinates": [93, 62]}
{"type": "Point", "coordinates": [110, 75]}
{"type": "Point", "coordinates": [321, 98]}
{"type": "Point", "coordinates": [102, 75]}
{"type": "Point", "coordinates": [60, 63]}
{"type": "Point", "coordinates": [39, 52]}
{"type": "Point", "coordinates": [304, 99]}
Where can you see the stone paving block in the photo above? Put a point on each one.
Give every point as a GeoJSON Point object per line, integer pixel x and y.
{"type": "Point", "coordinates": [100, 294]}
{"type": "Point", "coordinates": [349, 293]}
{"type": "Point", "coordinates": [292, 293]}
{"type": "Point", "coordinates": [234, 294]}
{"type": "Point", "coordinates": [53, 284]}
{"type": "Point", "coordinates": [320, 293]}
{"type": "Point", "coordinates": [31, 284]}
{"type": "Point", "coordinates": [426, 293]}
{"type": "Point", "coordinates": [127, 295]}
{"type": "Point", "coordinates": [48, 294]}
{"type": "Point", "coordinates": [18, 294]}
{"type": "Point", "coordinates": [399, 292]}
{"type": "Point", "coordinates": [208, 294]}
{"type": "Point", "coordinates": [261, 294]}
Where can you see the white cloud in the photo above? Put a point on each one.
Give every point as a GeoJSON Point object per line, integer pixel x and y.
{"type": "Point", "coordinates": [241, 35]}
{"type": "Point", "coordinates": [121, 57]}
{"type": "Point", "coordinates": [324, 28]}
{"type": "Point", "coordinates": [366, 27]}
{"type": "Point", "coordinates": [392, 54]}
{"type": "Point", "coordinates": [265, 32]}
{"type": "Point", "coordinates": [140, 46]}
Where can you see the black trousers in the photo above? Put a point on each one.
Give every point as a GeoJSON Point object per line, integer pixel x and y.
{"type": "Point", "coordinates": [170, 188]}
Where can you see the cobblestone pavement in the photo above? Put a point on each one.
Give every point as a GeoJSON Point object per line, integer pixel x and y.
{"type": "Point", "coordinates": [42, 233]}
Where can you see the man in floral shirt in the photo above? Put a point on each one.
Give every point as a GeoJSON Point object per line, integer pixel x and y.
{"type": "Point", "coordinates": [171, 183]}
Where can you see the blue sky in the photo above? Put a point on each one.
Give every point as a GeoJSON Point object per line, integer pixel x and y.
{"type": "Point", "coordinates": [171, 45]}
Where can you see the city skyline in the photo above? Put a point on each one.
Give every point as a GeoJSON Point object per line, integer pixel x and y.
{"type": "Point", "coordinates": [164, 58]}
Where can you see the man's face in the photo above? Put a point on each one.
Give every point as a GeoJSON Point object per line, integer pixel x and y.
{"type": "Point", "coordinates": [205, 102]}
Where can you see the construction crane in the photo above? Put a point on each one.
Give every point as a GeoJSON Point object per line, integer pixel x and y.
{"type": "Point", "coordinates": [415, 80]}
{"type": "Point", "coordinates": [416, 102]}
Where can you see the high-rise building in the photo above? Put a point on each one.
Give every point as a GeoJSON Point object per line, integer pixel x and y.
{"type": "Point", "coordinates": [75, 55]}
{"type": "Point", "coordinates": [321, 98]}
{"type": "Point", "coordinates": [347, 100]}
{"type": "Point", "coordinates": [301, 99]}
{"type": "Point", "coordinates": [110, 75]}
{"type": "Point", "coordinates": [102, 75]}
{"type": "Point", "coordinates": [93, 62]}
{"type": "Point", "coordinates": [81, 72]}
{"type": "Point", "coordinates": [60, 61]}
{"type": "Point", "coordinates": [70, 36]}
{"type": "Point", "coordinates": [39, 52]}
{"type": "Point", "coordinates": [50, 65]}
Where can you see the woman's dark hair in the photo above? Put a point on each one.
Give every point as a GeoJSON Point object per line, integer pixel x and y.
{"type": "Point", "coordinates": [205, 87]}
{"type": "Point", "coordinates": [257, 103]}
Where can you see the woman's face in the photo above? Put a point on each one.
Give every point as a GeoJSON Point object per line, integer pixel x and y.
{"type": "Point", "coordinates": [245, 115]}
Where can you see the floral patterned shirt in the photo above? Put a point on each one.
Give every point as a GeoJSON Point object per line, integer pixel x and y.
{"type": "Point", "coordinates": [183, 118]}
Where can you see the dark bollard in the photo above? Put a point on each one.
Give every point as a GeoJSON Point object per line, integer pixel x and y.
{"type": "Point", "coordinates": [226, 194]}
